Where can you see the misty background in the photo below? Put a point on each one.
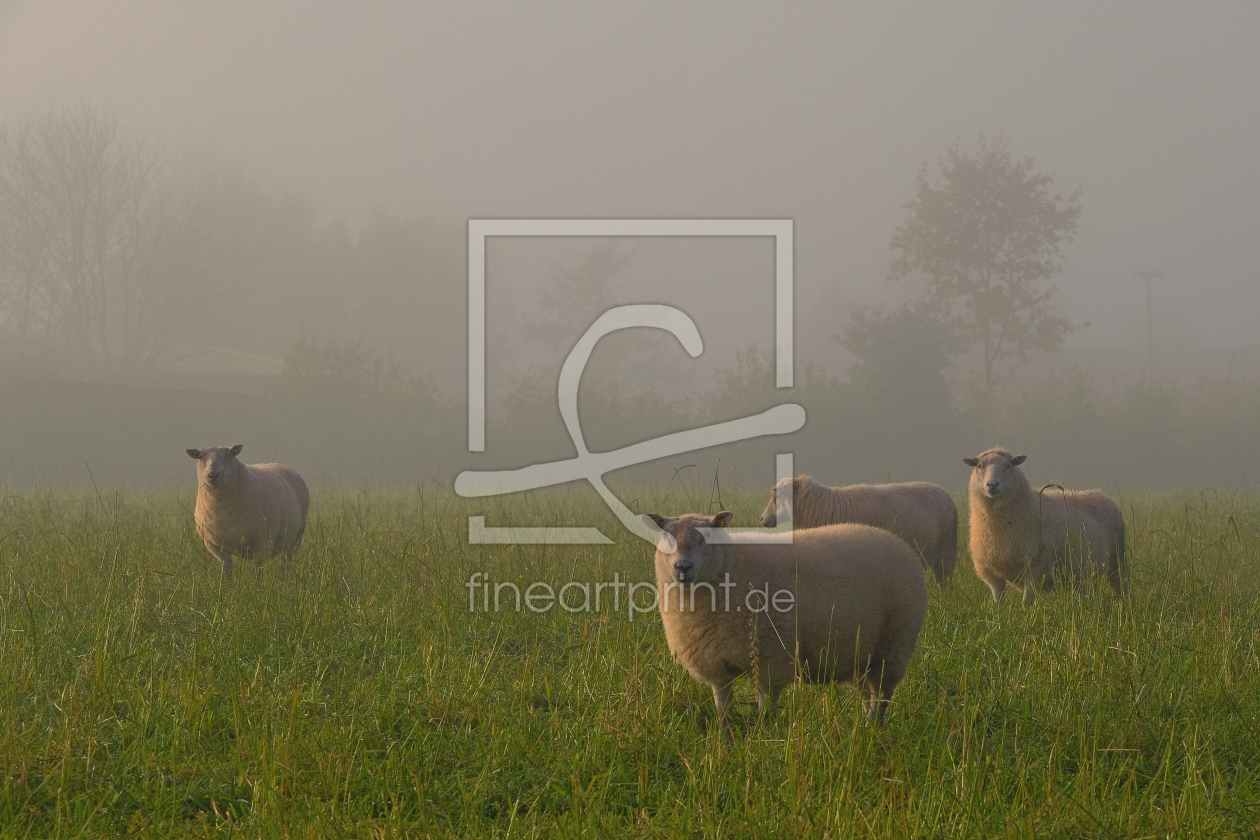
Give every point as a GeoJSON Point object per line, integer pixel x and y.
{"type": "Point", "coordinates": [244, 224]}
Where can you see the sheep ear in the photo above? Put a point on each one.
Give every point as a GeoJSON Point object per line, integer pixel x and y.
{"type": "Point", "coordinates": [194, 453]}
{"type": "Point", "coordinates": [971, 462]}
{"type": "Point", "coordinates": [236, 450]}
{"type": "Point", "coordinates": [653, 521]}
{"type": "Point", "coordinates": [723, 519]}
{"type": "Point", "coordinates": [1018, 459]}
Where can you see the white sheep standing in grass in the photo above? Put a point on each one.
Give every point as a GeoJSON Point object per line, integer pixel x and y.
{"type": "Point", "coordinates": [251, 511]}
{"type": "Point", "coordinates": [922, 514]}
{"type": "Point", "coordinates": [843, 603]}
{"type": "Point", "coordinates": [1025, 538]}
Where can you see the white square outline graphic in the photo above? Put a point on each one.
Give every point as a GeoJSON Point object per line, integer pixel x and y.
{"type": "Point", "coordinates": [480, 229]}
{"type": "Point", "coordinates": [778, 420]}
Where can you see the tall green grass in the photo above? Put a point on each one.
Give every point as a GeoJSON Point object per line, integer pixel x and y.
{"type": "Point", "coordinates": [142, 695]}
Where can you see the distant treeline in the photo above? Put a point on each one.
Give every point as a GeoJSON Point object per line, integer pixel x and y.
{"type": "Point", "coordinates": [116, 260]}
{"type": "Point", "coordinates": [345, 415]}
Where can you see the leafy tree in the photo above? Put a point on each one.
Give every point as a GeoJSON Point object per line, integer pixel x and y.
{"type": "Point", "coordinates": [902, 355]}
{"type": "Point", "coordinates": [364, 411]}
{"type": "Point", "coordinates": [578, 293]}
{"type": "Point", "coordinates": [349, 374]}
{"type": "Point", "coordinates": [985, 236]}
{"type": "Point", "coordinates": [1061, 415]}
{"type": "Point", "coordinates": [406, 276]}
{"type": "Point", "coordinates": [574, 296]}
{"type": "Point", "coordinates": [749, 387]}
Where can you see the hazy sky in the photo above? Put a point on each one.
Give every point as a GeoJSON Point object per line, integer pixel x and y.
{"type": "Point", "coordinates": [818, 112]}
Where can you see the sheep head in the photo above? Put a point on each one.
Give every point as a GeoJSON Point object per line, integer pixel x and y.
{"type": "Point", "coordinates": [777, 511]}
{"type": "Point", "coordinates": [216, 465]}
{"type": "Point", "coordinates": [993, 472]}
{"type": "Point", "coordinates": [683, 548]}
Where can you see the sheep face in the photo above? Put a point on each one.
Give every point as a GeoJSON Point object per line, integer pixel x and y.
{"type": "Point", "coordinates": [992, 472]}
{"type": "Point", "coordinates": [216, 465]}
{"type": "Point", "coordinates": [690, 549]}
{"type": "Point", "coordinates": [777, 510]}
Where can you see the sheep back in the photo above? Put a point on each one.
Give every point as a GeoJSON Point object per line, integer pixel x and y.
{"type": "Point", "coordinates": [921, 513]}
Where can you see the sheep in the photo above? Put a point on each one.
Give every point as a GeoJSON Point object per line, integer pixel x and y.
{"type": "Point", "coordinates": [1024, 538]}
{"type": "Point", "coordinates": [922, 514]}
{"type": "Point", "coordinates": [250, 510]}
{"type": "Point", "coordinates": [842, 603]}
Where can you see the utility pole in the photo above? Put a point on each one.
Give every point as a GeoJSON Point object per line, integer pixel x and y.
{"type": "Point", "coordinates": [1148, 276]}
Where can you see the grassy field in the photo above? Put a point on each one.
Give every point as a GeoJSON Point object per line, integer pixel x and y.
{"type": "Point", "coordinates": [359, 696]}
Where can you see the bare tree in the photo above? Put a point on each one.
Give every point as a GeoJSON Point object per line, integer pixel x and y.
{"type": "Point", "coordinates": [108, 251]}
{"type": "Point", "coordinates": [187, 258]}
{"type": "Point", "coordinates": [26, 231]}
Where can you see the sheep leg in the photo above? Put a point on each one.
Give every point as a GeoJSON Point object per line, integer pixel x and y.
{"type": "Point", "coordinates": [1031, 584]}
{"type": "Point", "coordinates": [225, 557]}
{"type": "Point", "coordinates": [773, 693]}
{"type": "Point", "coordinates": [876, 707]}
{"type": "Point", "coordinates": [938, 569]}
{"type": "Point", "coordinates": [998, 587]}
{"type": "Point", "coordinates": [223, 554]}
{"type": "Point", "coordinates": [1116, 573]}
{"type": "Point", "coordinates": [255, 552]}
{"type": "Point", "coordinates": [297, 540]}
{"type": "Point", "coordinates": [880, 682]}
{"type": "Point", "coordinates": [722, 695]}
{"type": "Point", "coordinates": [283, 541]}
{"type": "Point", "coordinates": [1044, 582]}
{"type": "Point", "coordinates": [1040, 574]}
{"type": "Point", "coordinates": [933, 558]}
{"type": "Point", "coordinates": [1115, 577]}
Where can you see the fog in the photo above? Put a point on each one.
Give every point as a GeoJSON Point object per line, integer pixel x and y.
{"type": "Point", "coordinates": [428, 115]}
